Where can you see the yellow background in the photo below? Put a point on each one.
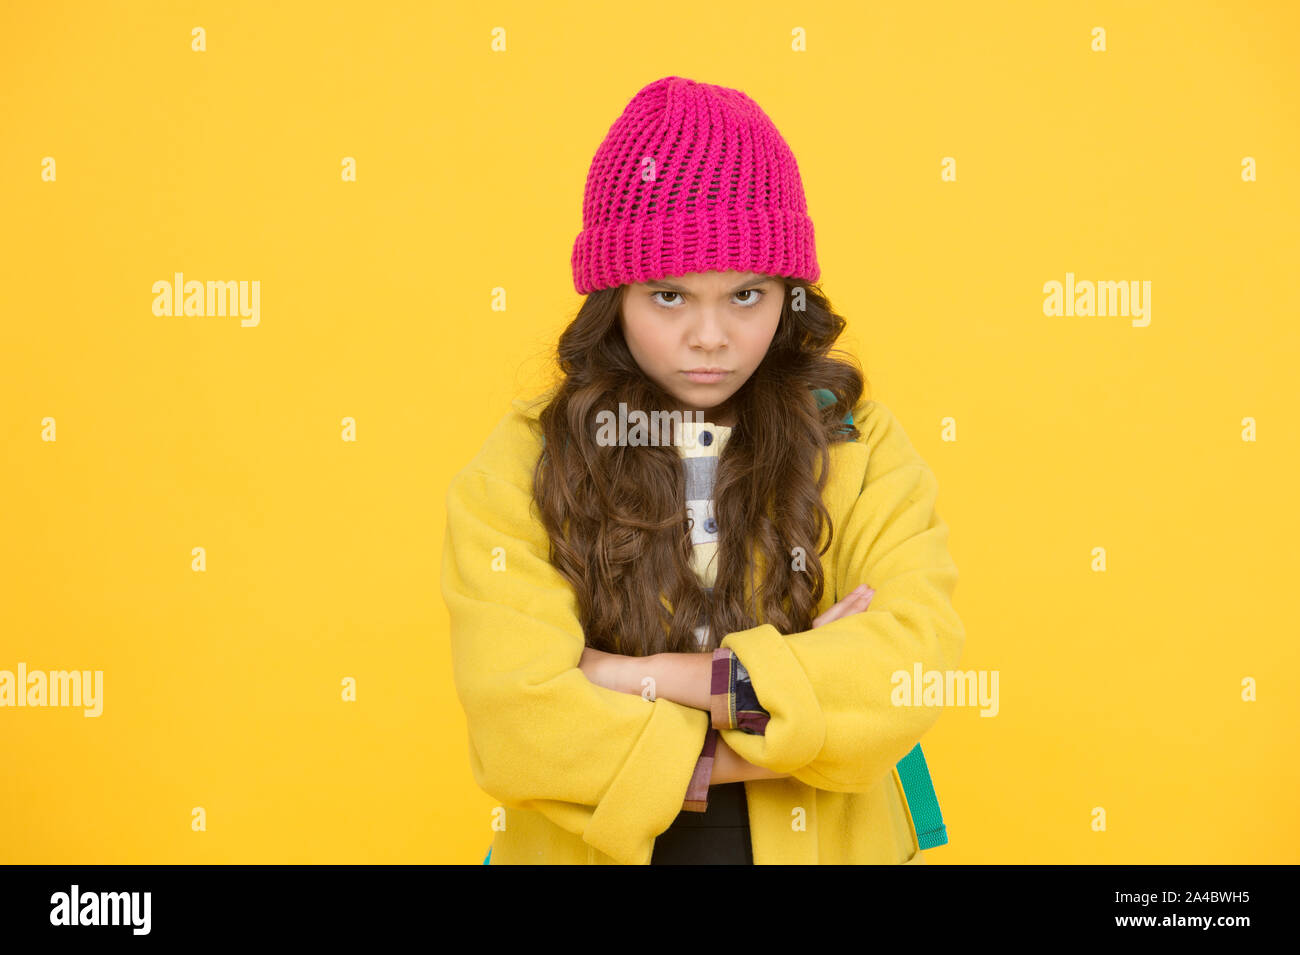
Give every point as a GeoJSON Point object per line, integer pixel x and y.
{"type": "Point", "coordinates": [222, 689]}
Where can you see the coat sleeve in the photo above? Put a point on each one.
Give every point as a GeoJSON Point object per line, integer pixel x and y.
{"type": "Point", "coordinates": [608, 766]}
{"type": "Point", "coordinates": [829, 690]}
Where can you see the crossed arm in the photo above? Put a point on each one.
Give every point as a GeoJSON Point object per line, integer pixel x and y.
{"type": "Point", "coordinates": [686, 678]}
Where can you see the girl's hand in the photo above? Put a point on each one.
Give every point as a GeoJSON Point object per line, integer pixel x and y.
{"type": "Point", "coordinates": [855, 602]}
{"type": "Point", "coordinates": [605, 669]}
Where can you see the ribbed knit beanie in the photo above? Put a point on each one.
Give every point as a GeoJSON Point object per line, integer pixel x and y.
{"type": "Point", "coordinates": [692, 177]}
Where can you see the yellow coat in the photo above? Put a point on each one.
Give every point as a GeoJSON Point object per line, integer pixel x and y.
{"type": "Point", "coordinates": [588, 775]}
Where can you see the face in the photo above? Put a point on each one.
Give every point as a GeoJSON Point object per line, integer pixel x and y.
{"type": "Point", "coordinates": [704, 320]}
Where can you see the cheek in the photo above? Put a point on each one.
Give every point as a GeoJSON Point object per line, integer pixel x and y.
{"type": "Point", "coordinates": [654, 344]}
{"type": "Point", "coordinates": [758, 339]}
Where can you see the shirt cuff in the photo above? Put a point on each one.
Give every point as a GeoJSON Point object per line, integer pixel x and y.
{"type": "Point", "coordinates": [697, 793]}
{"type": "Point", "coordinates": [733, 704]}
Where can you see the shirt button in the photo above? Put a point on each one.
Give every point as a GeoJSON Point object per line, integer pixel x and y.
{"type": "Point", "coordinates": [706, 438]}
{"type": "Point", "coordinates": [711, 525]}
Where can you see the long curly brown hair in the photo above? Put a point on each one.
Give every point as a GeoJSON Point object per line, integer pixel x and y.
{"type": "Point", "coordinates": [616, 516]}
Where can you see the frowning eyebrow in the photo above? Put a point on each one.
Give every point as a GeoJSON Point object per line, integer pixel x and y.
{"type": "Point", "coordinates": [754, 278]}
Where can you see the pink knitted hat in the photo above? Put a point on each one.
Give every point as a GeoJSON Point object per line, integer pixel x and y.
{"type": "Point", "coordinates": [692, 177]}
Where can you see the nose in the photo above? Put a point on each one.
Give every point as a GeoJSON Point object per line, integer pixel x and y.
{"type": "Point", "coordinates": [707, 333]}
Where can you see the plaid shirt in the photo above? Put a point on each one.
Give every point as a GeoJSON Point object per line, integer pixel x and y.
{"type": "Point", "coordinates": [733, 702]}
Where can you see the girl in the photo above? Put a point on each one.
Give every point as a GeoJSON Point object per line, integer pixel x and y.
{"type": "Point", "coordinates": [688, 585]}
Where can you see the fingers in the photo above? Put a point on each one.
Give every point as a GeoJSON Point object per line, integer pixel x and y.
{"type": "Point", "coordinates": [855, 602]}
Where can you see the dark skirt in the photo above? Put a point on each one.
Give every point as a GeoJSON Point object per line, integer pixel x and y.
{"type": "Point", "coordinates": [717, 836]}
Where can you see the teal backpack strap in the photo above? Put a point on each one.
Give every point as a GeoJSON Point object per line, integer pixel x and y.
{"type": "Point", "coordinates": [921, 800]}
{"type": "Point", "coordinates": [826, 397]}
{"type": "Point", "coordinates": [488, 856]}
